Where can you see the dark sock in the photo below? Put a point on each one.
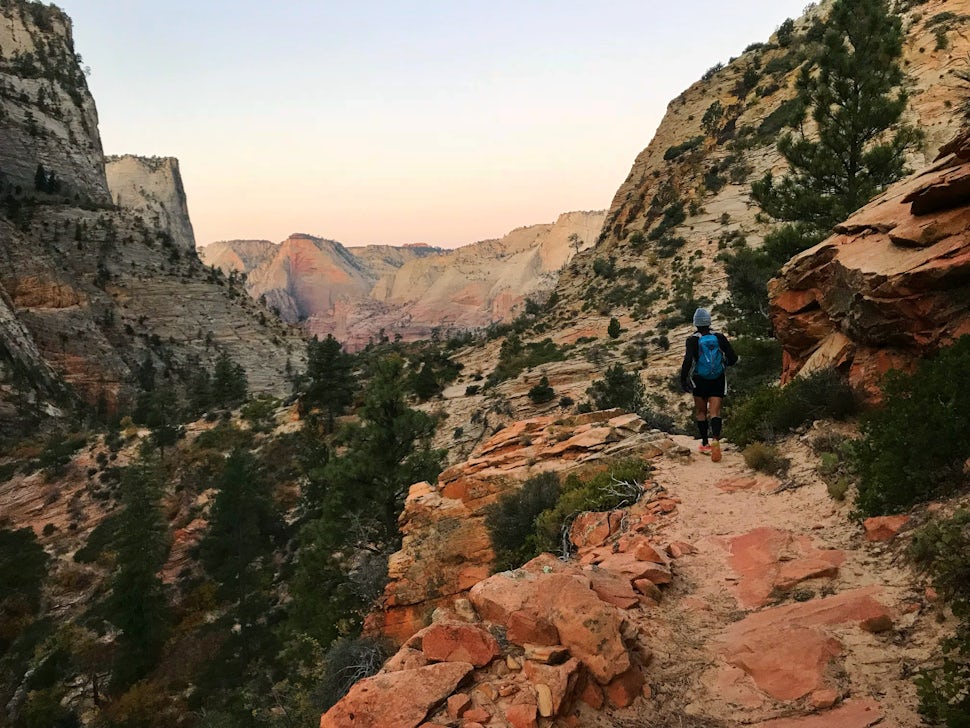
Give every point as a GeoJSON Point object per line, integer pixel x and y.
{"type": "Point", "coordinates": [702, 426]}
{"type": "Point", "coordinates": [716, 428]}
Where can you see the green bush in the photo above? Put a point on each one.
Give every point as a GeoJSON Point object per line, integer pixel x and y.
{"type": "Point", "coordinates": [511, 521]}
{"type": "Point", "coordinates": [765, 459]}
{"type": "Point", "coordinates": [616, 487]}
{"type": "Point", "coordinates": [542, 392]}
{"type": "Point", "coordinates": [514, 357]}
{"type": "Point", "coordinates": [913, 447]}
{"type": "Point", "coordinates": [617, 389]}
{"type": "Point", "coordinates": [614, 330]}
{"type": "Point", "coordinates": [678, 149]}
{"type": "Point", "coordinates": [942, 548]}
{"type": "Point", "coordinates": [771, 412]}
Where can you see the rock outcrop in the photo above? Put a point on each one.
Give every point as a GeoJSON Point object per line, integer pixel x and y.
{"type": "Point", "coordinates": [49, 120]}
{"type": "Point", "coordinates": [152, 187]}
{"type": "Point", "coordinates": [891, 286]}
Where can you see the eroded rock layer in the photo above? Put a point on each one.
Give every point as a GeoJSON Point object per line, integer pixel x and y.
{"type": "Point", "coordinates": [891, 286]}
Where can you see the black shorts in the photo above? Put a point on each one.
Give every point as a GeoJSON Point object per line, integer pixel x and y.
{"type": "Point", "coordinates": [706, 388]}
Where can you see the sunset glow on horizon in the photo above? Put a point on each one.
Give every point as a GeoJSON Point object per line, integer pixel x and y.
{"type": "Point", "coordinates": [391, 122]}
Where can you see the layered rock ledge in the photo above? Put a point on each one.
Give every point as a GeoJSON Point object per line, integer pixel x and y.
{"type": "Point", "coordinates": [891, 286]}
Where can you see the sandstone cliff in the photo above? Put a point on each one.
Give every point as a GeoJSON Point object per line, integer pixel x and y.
{"type": "Point", "coordinates": [89, 290]}
{"type": "Point", "coordinates": [153, 188]}
{"type": "Point", "coordinates": [49, 118]}
{"type": "Point", "coordinates": [891, 286]}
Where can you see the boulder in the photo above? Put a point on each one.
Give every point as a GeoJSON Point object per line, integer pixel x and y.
{"type": "Point", "coordinates": [588, 627]}
{"type": "Point", "coordinates": [397, 699]}
{"type": "Point", "coordinates": [884, 528]}
{"type": "Point", "coordinates": [459, 642]}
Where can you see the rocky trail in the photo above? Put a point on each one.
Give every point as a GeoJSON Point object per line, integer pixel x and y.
{"type": "Point", "coordinates": [722, 598]}
{"type": "Point", "coordinates": [786, 609]}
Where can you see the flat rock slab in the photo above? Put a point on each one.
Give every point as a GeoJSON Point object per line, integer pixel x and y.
{"type": "Point", "coordinates": [397, 699]}
{"type": "Point", "coordinates": [786, 650]}
{"type": "Point", "coordinates": [853, 714]}
{"type": "Point", "coordinates": [769, 560]}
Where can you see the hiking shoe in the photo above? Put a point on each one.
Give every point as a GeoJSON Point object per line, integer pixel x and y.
{"type": "Point", "coordinates": [704, 449]}
{"type": "Point", "coordinates": [715, 451]}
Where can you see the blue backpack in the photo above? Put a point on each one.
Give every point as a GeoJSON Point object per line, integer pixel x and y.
{"type": "Point", "coordinates": [710, 359]}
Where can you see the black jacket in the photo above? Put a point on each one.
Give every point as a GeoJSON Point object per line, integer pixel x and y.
{"type": "Point", "coordinates": [690, 356]}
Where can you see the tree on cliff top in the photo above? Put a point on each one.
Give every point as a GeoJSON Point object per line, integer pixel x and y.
{"type": "Point", "coordinates": [854, 96]}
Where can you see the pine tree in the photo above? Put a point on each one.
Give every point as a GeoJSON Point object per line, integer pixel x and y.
{"type": "Point", "coordinates": [614, 330]}
{"type": "Point", "coordinates": [330, 379]}
{"type": "Point", "coordinates": [852, 91]}
{"type": "Point", "coordinates": [617, 389]}
{"type": "Point", "coordinates": [855, 98]}
{"type": "Point", "coordinates": [229, 385]}
{"type": "Point", "coordinates": [137, 605]}
{"type": "Point", "coordinates": [243, 527]}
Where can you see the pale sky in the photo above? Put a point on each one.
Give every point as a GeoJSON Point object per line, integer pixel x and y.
{"type": "Point", "coordinates": [435, 121]}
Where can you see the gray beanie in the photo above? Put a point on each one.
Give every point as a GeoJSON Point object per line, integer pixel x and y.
{"type": "Point", "coordinates": [702, 317]}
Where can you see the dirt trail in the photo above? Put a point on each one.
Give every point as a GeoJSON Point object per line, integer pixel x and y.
{"type": "Point", "coordinates": [785, 610]}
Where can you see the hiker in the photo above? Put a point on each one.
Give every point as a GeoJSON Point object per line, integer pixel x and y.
{"type": "Point", "coordinates": [702, 374]}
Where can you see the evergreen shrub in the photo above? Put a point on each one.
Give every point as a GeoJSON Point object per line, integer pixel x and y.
{"type": "Point", "coordinates": [771, 412]}
{"type": "Point", "coordinates": [914, 446]}
{"type": "Point", "coordinates": [942, 548]}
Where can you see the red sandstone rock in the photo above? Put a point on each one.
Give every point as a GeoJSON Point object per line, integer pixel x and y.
{"type": "Point", "coordinates": [456, 642]}
{"type": "Point", "coordinates": [406, 658]}
{"type": "Point", "coordinates": [591, 694]}
{"type": "Point", "coordinates": [458, 704]}
{"type": "Point", "coordinates": [612, 589]}
{"type": "Point", "coordinates": [786, 650]}
{"type": "Point", "coordinates": [624, 689]}
{"type": "Point", "coordinates": [560, 679]}
{"type": "Point", "coordinates": [648, 589]}
{"type": "Point", "coordinates": [884, 528]}
{"type": "Point", "coordinates": [478, 714]}
{"type": "Point", "coordinates": [735, 484]}
{"type": "Point", "coordinates": [522, 716]}
{"type": "Point", "coordinates": [631, 568]}
{"type": "Point", "coordinates": [593, 528]}
{"type": "Point", "coordinates": [587, 626]}
{"type": "Point", "coordinates": [396, 700]}
{"type": "Point", "coordinates": [853, 714]}
{"type": "Point", "coordinates": [768, 559]}
{"type": "Point", "coordinates": [642, 549]}
{"type": "Point", "coordinates": [793, 573]}
{"type": "Point", "coordinates": [822, 699]}
{"type": "Point", "coordinates": [679, 549]}
{"type": "Point", "coordinates": [529, 628]}
{"type": "Point", "coordinates": [886, 290]}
